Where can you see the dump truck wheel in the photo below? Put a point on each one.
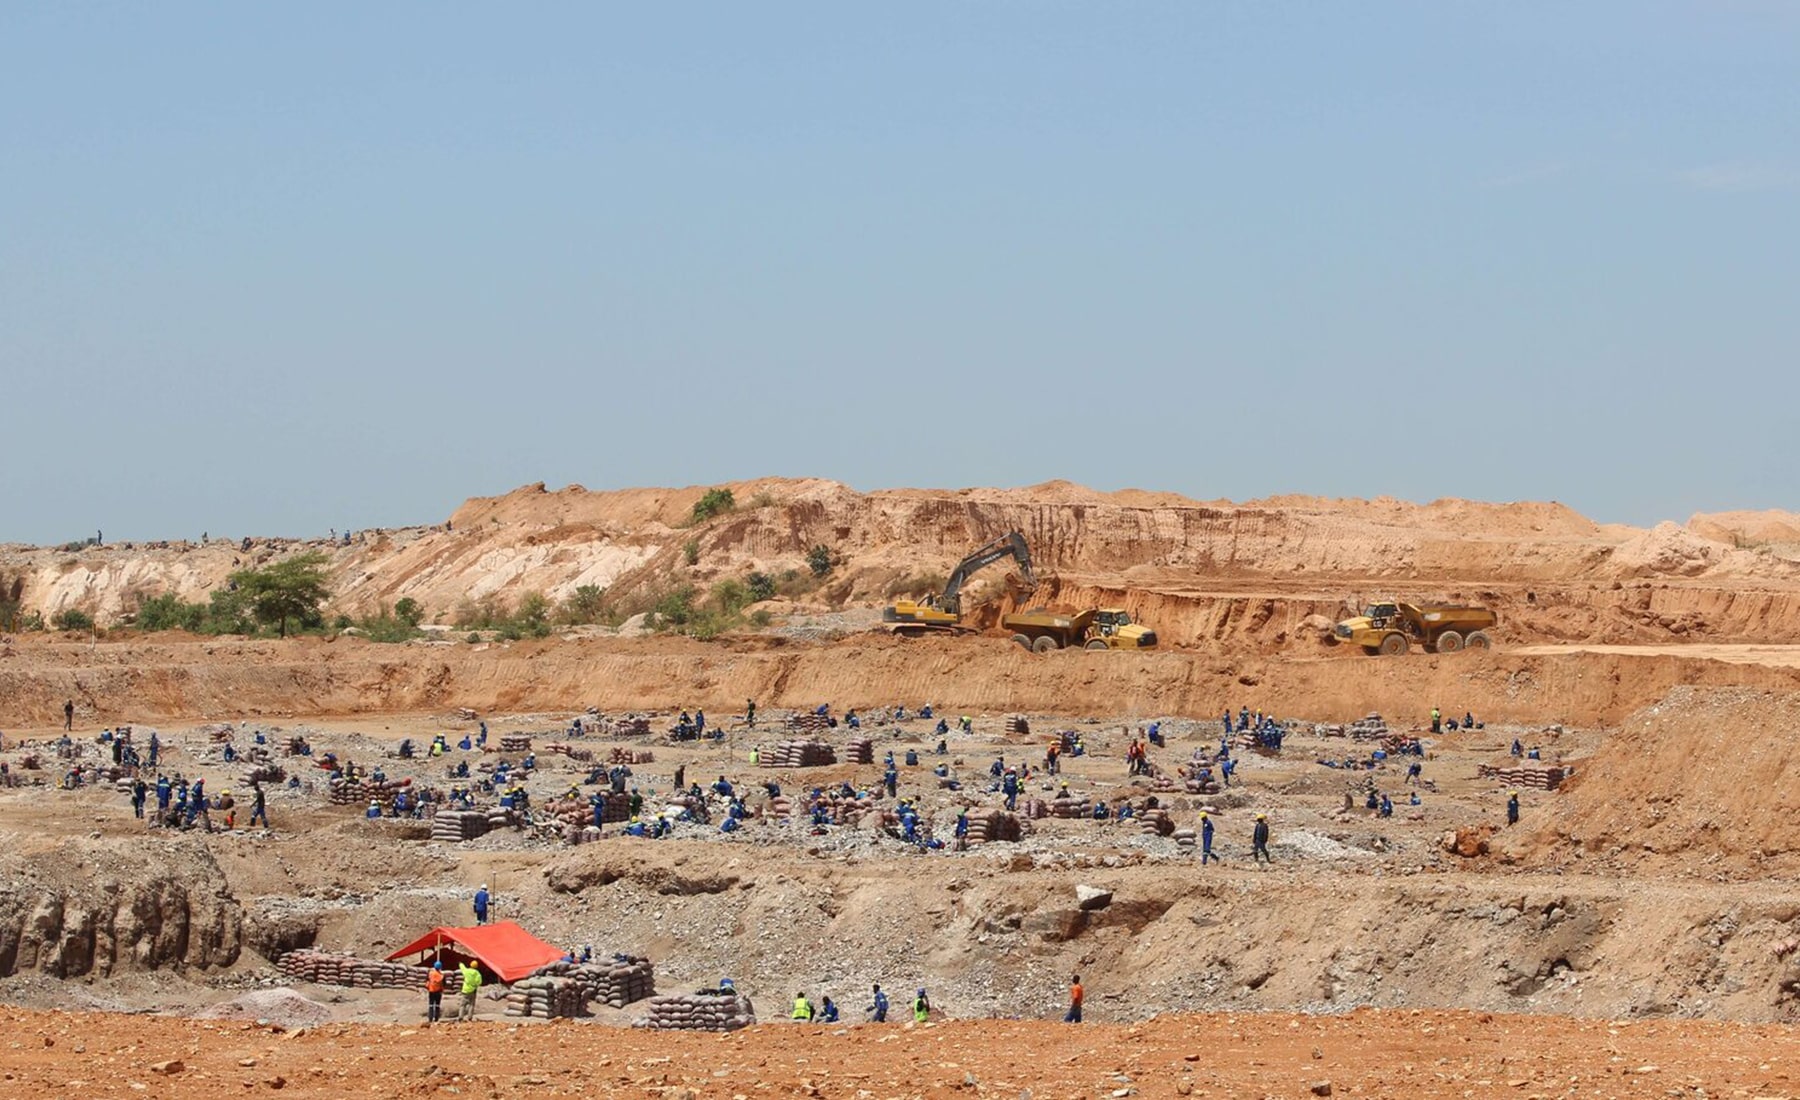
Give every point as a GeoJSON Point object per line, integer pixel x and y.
{"type": "Point", "coordinates": [1449, 642]}
{"type": "Point", "coordinates": [1022, 640]}
{"type": "Point", "coordinates": [1372, 650]}
{"type": "Point", "coordinates": [1096, 644]}
{"type": "Point", "coordinates": [1478, 640]}
{"type": "Point", "coordinates": [1044, 644]}
{"type": "Point", "coordinates": [1393, 645]}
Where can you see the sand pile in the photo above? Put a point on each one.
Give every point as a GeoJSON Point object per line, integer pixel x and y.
{"type": "Point", "coordinates": [282, 1007]}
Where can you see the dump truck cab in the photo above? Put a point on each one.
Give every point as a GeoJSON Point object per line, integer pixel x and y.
{"type": "Point", "coordinates": [1041, 631]}
{"type": "Point", "coordinates": [1391, 628]}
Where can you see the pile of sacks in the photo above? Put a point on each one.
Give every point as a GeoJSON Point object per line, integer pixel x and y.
{"type": "Point", "coordinates": [360, 792]}
{"type": "Point", "coordinates": [564, 749]}
{"type": "Point", "coordinates": [1370, 727]}
{"type": "Point", "coordinates": [996, 826]}
{"type": "Point", "coordinates": [1185, 837]}
{"type": "Point", "coordinates": [546, 998]}
{"type": "Point", "coordinates": [1154, 822]}
{"type": "Point", "coordinates": [844, 811]}
{"type": "Point", "coordinates": [625, 980]}
{"type": "Point", "coordinates": [1542, 778]}
{"type": "Point", "coordinates": [707, 1011]}
{"type": "Point", "coordinates": [265, 773]}
{"type": "Point", "coordinates": [515, 742]}
{"type": "Point", "coordinates": [631, 725]}
{"type": "Point", "coordinates": [335, 968]}
{"type": "Point", "coordinates": [457, 825]}
{"type": "Point", "coordinates": [798, 754]}
{"type": "Point", "coordinates": [1071, 807]}
{"type": "Point", "coordinates": [629, 757]}
{"type": "Point", "coordinates": [808, 722]}
{"type": "Point", "coordinates": [614, 808]}
{"type": "Point", "coordinates": [860, 751]}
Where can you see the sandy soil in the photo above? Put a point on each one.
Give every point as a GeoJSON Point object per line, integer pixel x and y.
{"type": "Point", "coordinates": [1425, 1054]}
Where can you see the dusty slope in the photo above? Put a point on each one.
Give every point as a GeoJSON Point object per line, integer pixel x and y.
{"type": "Point", "coordinates": [1702, 781]}
{"type": "Point", "coordinates": [1451, 1055]}
{"type": "Point", "coordinates": [213, 679]}
{"type": "Point", "coordinates": [1200, 570]}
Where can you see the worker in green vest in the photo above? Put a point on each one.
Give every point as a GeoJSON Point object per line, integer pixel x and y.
{"type": "Point", "coordinates": [921, 1006]}
{"type": "Point", "coordinates": [471, 985]}
{"type": "Point", "coordinates": [803, 1010]}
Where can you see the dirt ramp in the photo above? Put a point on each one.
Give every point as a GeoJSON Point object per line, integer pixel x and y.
{"type": "Point", "coordinates": [1704, 782]}
{"type": "Point", "coordinates": [92, 908]}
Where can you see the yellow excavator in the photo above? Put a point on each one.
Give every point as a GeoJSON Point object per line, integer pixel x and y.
{"type": "Point", "coordinates": [944, 612]}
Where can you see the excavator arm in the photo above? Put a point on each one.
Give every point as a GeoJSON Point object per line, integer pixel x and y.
{"type": "Point", "coordinates": [1010, 545]}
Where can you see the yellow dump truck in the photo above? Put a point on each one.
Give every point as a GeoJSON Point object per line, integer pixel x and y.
{"type": "Point", "coordinates": [1102, 628]}
{"type": "Point", "coordinates": [1388, 629]}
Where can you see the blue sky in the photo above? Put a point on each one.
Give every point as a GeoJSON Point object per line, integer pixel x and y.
{"type": "Point", "coordinates": [275, 268]}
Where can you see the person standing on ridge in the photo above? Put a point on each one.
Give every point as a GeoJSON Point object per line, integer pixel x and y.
{"type": "Point", "coordinates": [1073, 1016]}
{"type": "Point", "coordinates": [1259, 840]}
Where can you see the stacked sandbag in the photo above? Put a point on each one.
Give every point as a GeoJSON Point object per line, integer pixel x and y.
{"type": "Point", "coordinates": [1542, 778]}
{"type": "Point", "coordinates": [1033, 809]}
{"type": "Point", "coordinates": [798, 754]}
{"type": "Point", "coordinates": [708, 1011]}
{"type": "Point", "coordinates": [1185, 837]}
{"type": "Point", "coordinates": [503, 817]}
{"type": "Point", "coordinates": [265, 773]}
{"type": "Point", "coordinates": [809, 723]}
{"type": "Point", "coordinates": [1019, 724]}
{"type": "Point", "coordinates": [363, 790]}
{"type": "Point", "coordinates": [629, 757]}
{"type": "Point", "coordinates": [1154, 823]}
{"type": "Point", "coordinates": [459, 825]}
{"type": "Point", "coordinates": [515, 742]}
{"type": "Point", "coordinates": [625, 979]}
{"type": "Point", "coordinates": [860, 751]}
{"type": "Point", "coordinates": [995, 826]}
{"type": "Point", "coordinates": [562, 748]}
{"type": "Point", "coordinates": [1070, 807]}
{"type": "Point", "coordinates": [338, 968]}
{"type": "Point", "coordinates": [579, 812]}
{"type": "Point", "coordinates": [631, 725]}
{"type": "Point", "coordinates": [843, 811]}
{"type": "Point", "coordinates": [546, 998]}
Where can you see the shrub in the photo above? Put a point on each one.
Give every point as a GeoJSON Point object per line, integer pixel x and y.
{"type": "Point", "coordinates": [690, 552]}
{"type": "Point", "coordinates": [675, 608]}
{"type": "Point", "coordinates": [715, 502]}
{"type": "Point", "coordinates": [762, 587]}
{"type": "Point", "coordinates": [818, 559]}
{"type": "Point", "coordinates": [730, 596]}
{"type": "Point", "coordinates": [409, 611]}
{"type": "Point", "coordinates": [70, 618]}
{"type": "Point", "coordinates": [585, 605]}
{"type": "Point", "coordinates": [472, 638]}
{"type": "Point", "coordinates": [764, 499]}
{"type": "Point", "coordinates": [170, 612]}
{"type": "Point", "coordinates": [761, 618]}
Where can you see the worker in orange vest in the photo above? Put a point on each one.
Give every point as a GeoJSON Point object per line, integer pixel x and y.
{"type": "Point", "coordinates": [434, 993]}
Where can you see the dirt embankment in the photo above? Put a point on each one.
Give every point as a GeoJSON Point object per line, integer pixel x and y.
{"type": "Point", "coordinates": [162, 681]}
{"type": "Point", "coordinates": [1702, 782]}
{"type": "Point", "coordinates": [1207, 573]}
{"type": "Point", "coordinates": [80, 908]}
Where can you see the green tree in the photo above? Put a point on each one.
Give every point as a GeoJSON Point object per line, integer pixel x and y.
{"type": "Point", "coordinates": [715, 502]}
{"type": "Point", "coordinates": [818, 559]}
{"type": "Point", "coordinates": [409, 611]}
{"type": "Point", "coordinates": [730, 595]}
{"type": "Point", "coordinates": [70, 618]}
{"type": "Point", "coordinates": [690, 551]}
{"type": "Point", "coordinates": [586, 604]}
{"type": "Point", "coordinates": [762, 587]}
{"type": "Point", "coordinates": [290, 589]}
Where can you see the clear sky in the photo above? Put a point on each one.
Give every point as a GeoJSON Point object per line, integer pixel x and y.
{"type": "Point", "coordinates": [273, 268]}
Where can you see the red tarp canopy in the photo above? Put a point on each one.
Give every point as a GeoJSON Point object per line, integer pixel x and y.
{"type": "Point", "coordinates": [502, 947]}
